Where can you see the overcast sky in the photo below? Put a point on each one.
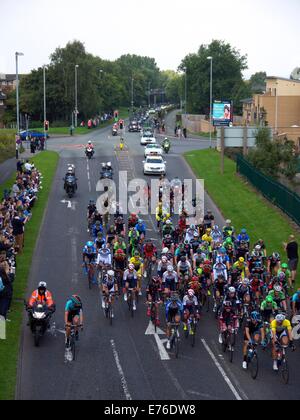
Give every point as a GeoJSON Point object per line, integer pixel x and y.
{"type": "Point", "coordinates": [268, 31]}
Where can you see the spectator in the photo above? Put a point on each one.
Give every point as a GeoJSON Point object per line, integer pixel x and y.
{"type": "Point", "coordinates": [293, 256]}
{"type": "Point", "coordinates": [7, 293]}
{"type": "Point", "coordinates": [20, 166]}
{"type": "Point", "coordinates": [184, 133]}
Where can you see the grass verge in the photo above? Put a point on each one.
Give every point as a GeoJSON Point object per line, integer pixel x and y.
{"type": "Point", "coordinates": [46, 162]}
{"type": "Point", "coordinates": [238, 201]}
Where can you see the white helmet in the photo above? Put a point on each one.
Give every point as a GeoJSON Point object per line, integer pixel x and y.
{"type": "Point", "coordinates": [277, 288]}
{"type": "Point", "coordinates": [170, 269]}
{"type": "Point", "coordinates": [42, 285]}
{"type": "Point", "coordinates": [165, 250]}
{"type": "Point", "coordinates": [131, 267]}
{"type": "Point", "coordinates": [232, 290]}
{"type": "Point", "coordinates": [191, 293]}
{"type": "Point", "coordinates": [110, 273]}
{"type": "Point", "coordinates": [89, 142]}
{"type": "Point", "coordinates": [280, 318]}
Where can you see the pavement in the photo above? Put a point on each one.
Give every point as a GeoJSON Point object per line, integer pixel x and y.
{"type": "Point", "coordinates": [125, 361]}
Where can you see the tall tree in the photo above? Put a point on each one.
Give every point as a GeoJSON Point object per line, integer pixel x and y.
{"type": "Point", "coordinates": [228, 83]}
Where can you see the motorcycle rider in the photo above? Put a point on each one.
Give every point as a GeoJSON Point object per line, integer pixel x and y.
{"type": "Point", "coordinates": [70, 177]}
{"type": "Point", "coordinates": [166, 145]}
{"type": "Point", "coordinates": [89, 146]}
{"type": "Point", "coordinates": [40, 296]}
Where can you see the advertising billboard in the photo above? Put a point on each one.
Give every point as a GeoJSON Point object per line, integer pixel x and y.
{"type": "Point", "coordinates": [222, 113]}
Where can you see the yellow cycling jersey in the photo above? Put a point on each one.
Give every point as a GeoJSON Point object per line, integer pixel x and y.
{"type": "Point", "coordinates": [207, 238]}
{"type": "Point", "coordinates": [137, 262]}
{"type": "Point", "coordinates": [286, 325]}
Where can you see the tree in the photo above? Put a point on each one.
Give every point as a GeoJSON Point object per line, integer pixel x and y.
{"type": "Point", "coordinates": [258, 82]}
{"type": "Point", "coordinates": [228, 83]}
{"type": "Point", "coordinates": [274, 157]}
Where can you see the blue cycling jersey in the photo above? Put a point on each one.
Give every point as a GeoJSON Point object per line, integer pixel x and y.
{"type": "Point", "coordinates": [71, 307]}
{"type": "Point", "coordinates": [296, 298]}
{"type": "Point", "coordinates": [141, 228]}
{"type": "Point", "coordinates": [89, 251]}
{"type": "Point", "coordinates": [179, 306]}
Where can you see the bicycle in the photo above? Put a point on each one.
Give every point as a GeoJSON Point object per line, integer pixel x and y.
{"type": "Point", "coordinates": [70, 353]}
{"type": "Point", "coordinates": [109, 307]}
{"type": "Point", "coordinates": [130, 301]}
{"type": "Point", "coordinates": [119, 279]}
{"type": "Point", "coordinates": [282, 362]}
{"type": "Point", "coordinates": [228, 342]}
{"type": "Point", "coordinates": [175, 338]}
{"type": "Point", "coordinates": [191, 331]}
{"type": "Point", "coordinates": [90, 272]}
{"type": "Point", "coordinates": [252, 360]}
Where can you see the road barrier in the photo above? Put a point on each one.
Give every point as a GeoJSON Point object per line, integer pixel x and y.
{"type": "Point", "coordinates": [278, 194]}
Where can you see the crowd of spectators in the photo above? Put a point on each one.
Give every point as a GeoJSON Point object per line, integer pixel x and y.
{"type": "Point", "coordinates": [15, 212]}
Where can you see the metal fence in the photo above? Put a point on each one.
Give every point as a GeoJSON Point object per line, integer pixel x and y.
{"type": "Point", "coordinates": [278, 194]}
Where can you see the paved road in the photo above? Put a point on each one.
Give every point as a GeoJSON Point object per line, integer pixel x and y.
{"type": "Point", "coordinates": [121, 362]}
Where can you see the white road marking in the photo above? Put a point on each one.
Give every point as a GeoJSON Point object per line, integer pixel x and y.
{"type": "Point", "coordinates": [205, 396]}
{"type": "Point", "coordinates": [120, 370]}
{"type": "Point", "coordinates": [221, 370]}
{"type": "Point", "coordinates": [160, 343]}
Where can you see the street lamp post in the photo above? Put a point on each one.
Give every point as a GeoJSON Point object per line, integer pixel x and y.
{"type": "Point", "coordinates": [276, 110]}
{"type": "Point", "coordinates": [185, 94]}
{"type": "Point", "coordinates": [45, 111]}
{"type": "Point", "coordinates": [211, 94]}
{"type": "Point", "coordinates": [132, 101]}
{"type": "Point", "coordinates": [17, 91]}
{"type": "Point", "coordinates": [76, 92]}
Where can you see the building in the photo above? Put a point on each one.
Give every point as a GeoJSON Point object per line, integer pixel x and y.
{"type": "Point", "coordinates": [278, 107]}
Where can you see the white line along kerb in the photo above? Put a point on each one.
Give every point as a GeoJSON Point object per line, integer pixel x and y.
{"type": "Point", "coordinates": [121, 373]}
{"type": "Point", "coordinates": [221, 370]}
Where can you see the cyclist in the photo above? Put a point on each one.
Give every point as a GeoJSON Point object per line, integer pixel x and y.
{"type": "Point", "coordinates": [284, 269]}
{"type": "Point", "coordinates": [242, 266]}
{"type": "Point", "coordinates": [184, 268]}
{"type": "Point", "coordinates": [209, 220]}
{"type": "Point", "coordinates": [174, 312]}
{"type": "Point", "coordinates": [219, 291]}
{"type": "Point", "coordinates": [150, 252]}
{"type": "Point", "coordinates": [162, 266]}
{"type": "Point", "coordinates": [281, 332]}
{"type": "Point", "coordinates": [170, 280]}
{"type": "Point", "coordinates": [111, 235]}
{"type": "Point", "coordinates": [254, 333]}
{"type": "Point", "coordinates": [109, 287]}
{"type": "Point", "coordinates": [89, 255]}
{"type": "Point", "coordinates": [243, 236]}
{"type": "Point", "coordinates": [227, 320]}
{"type": "Point", "coordinates": [216, 235]}
{"type": "Point", "coordinates": [279, 297]}
{"type": "Point", "coordinates": [141, 229]}
{"type": "Point", "coordinates": [190, 233]}
{"type": "Point", "coordinates": [228, 230]}
{"type": "Point", "coordinates": [96, 229]}
{"type": "Point", "coordinates": [190, 308]}
{"type": "Point", "coordinates": [153, 296]}
{"type": "Point", "coordinates": [220, 269]}
{"type": "Point", "coordinates": [120, 226]}
{"type": "Point", "coordinates": [296, 303]}
{"type": "Point", "coordinates": [133, 239]}
{"type": "Point", "coordinates": [268, 309]}
{"type": "Point", "coordinates": [119, 244]}
{"type": "Point", "coordinates": [90, 213]}
{"type": "Point", "coordinates": [274, 263]}
{"type": "Point", "coordinates": [104, 258]}
{"type": "Point", "coordinates": [130, 281]}
{"type": "Point", "coordinates": [99, 241]}
{"type": "Point", "coordinates": [132, 221]}
{"type": "Point", "coordinates": [168, 228]}
{"type": "Point", "coordinates": [159, 214]}
{"type": "Point", "coordinates": [73, 316]}
{"type": "Point", "coordinates": [138, 263]}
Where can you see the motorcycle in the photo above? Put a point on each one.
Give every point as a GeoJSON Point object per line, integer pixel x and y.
{"type": "Point", "coordinates": [114, 132]}
{"type": "Point", "coordinates": [166, 147]}
{"type": "Point", "coordinates": [70, 186]}
{"type": "Point", "coordinates": [39, 321]}
{"type": "Point", "coordinates": [106, 174]}
{"type": "Point", "coordinates": [89, 153]}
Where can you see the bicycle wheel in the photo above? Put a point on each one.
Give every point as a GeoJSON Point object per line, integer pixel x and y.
{"type": "Point", "coordinates": [176, 345]}
{"type": "Point", "coordinates": [231, 342]}
{"type": "Point", "coordinates": [110, 314]}
{"type": "Point", "coordinates": [73, 347]}
{"type": "Point", "coordinates": [153, 316]}
{"type": "Point", "coordinates": [90, 276]}
{"type": "Point", "coordinates": [224, 342]}
{"type": "Point", "coordinates": [194, 329]}
{"type": "Point", "coordinates": [285, 374]}
{"type": "Point", "coordinates": [253, 366]}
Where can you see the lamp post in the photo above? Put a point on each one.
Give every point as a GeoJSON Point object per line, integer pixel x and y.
{"type": "Point", "coordinates": [76, 92]}
{"type": "Point", "coordinates": [45, 111]}
{"type": "Point", "coordinates": [210, 106]}
{"type": "Point", "coordinates": [276, 110]}
{"type": "Point", "coordinates": [132, 101]}
{"type": "Point", "coordinates": [185, 92]}
{"type": "Point", "coordinates": [17, 91]}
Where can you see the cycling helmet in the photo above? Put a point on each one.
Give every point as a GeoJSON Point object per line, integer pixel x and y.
{"type": "Point", "coordinates": [276, 255]}
{"type": "Point", "coordinates": [155, 279]}
{"type": "Point", "coordinates": [281, 276]}
{"type": "Point", "coordinates": [229, 241]}
{"type": "Point", "coordinates": [228, 222]}
{"type": "Point", "coordinates": [164, 259]}
{"type": "Point", "coordinates": [196, 235]}
{"type": "Point", "coordinates": [298, 292]}
{"type": "Point", "coordinates": [255, 316]}
{"type": "Point", "coordinates": [131, 267]}
{"type": "Point", "coordinates": [242, 260]}
{"type": "Point", "coordinates": [284, 266]}
{"type": "Point", "coordinates": [174, 298]}
{"type": "Point", "coordinates": [243, 231]}
{"type": "Point", "coordinates": [90, 244]}
{"type": "Point", "coordinates": [195, 278]}
{"type": "Point", "coordinates": [193, 227]}
{"type": "Point", "coordinates": [183, 259]}
{"type": "Point", "coordinates": [111, 273]}
{"type": "Point", "coordinates": [77, 301]}
{"type": "Point", "coordinates": [280, 318]}
{"type": "Point", "coordinates": [136, 254]}
{"type": "Point", "coordinates": [269, 299]}
{"type": "Point", "coordinates": [170, 269]}
{"type": "Point", "coordinates": [168, 222]}
{"type": "Point", "coordinates": [108, 165]}
{"type": "Point", "coordinates": [278, 288]}
{"type": "Point", "coordinates": [191, 293]}
{"type": "Point", "coordinates": [258, 248]}
{"type": "Point", "coordinates": [223, 250]}
{"type": "Point", "coordinates": [165, 250]}
{"type": "Point", "coordinates": [232, 290]}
